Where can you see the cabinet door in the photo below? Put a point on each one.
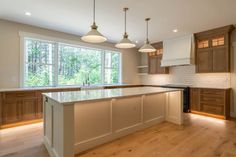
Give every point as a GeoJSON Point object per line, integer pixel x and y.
{"type": "Point", "coordinates": [194, 99]}
{"type": "Point", "coordinates": [204, 61]}
{"type": "Point", "coordinates": [152, 64]}
{"type": "Point", "coordinates": [29, 109]}
{"type": "Point", "coordinates": [160, 70]}
{"type": "Point", "coordinates": [11, 111]}
{"type": "Point", "coordinates": [40, 109]}
{"type": "Point", "coordinates": [220, 59]}
{"type": "Point", "coordinates": [40, 104]}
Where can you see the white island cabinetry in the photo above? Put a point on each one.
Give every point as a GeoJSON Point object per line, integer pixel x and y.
{"type": "Point", "coordinates": [77, 121]}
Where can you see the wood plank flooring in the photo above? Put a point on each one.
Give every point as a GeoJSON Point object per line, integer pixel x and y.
{"type": "Point", "coordinates": [199, 137]}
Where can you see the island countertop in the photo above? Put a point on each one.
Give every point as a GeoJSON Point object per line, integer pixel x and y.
{"type": "Point", "coordinates": [99, 94]}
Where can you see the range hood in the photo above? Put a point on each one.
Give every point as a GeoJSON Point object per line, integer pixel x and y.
{"type": "Point", "coordinates": [178, 51]}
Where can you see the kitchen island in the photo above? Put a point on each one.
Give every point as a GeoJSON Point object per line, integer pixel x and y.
{"type": "Point", "coordinates": [80, 120]}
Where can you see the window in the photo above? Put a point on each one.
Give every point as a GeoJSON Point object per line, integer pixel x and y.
{"type": "Point", "coordinates": [39, 61]}
{"type": "Point", "coordinates": [58, 64]}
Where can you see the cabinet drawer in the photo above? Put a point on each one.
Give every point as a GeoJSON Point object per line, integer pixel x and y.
{"type": "Point", "coordinates": [212, 92]}
{"type": "Point", "coordinates": [213, 100]}
{"type": "Point", "coordinates": [19, 95]}
{"type": "Point", "coordinates": [219, 110]}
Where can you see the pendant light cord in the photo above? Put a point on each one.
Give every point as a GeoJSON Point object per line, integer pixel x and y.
{"type": "Point", "coordinates": [147, 30]}
{"type": "Point", "coordinates": [125, 10]}
{"type": "Point", "coordinates": [125, 20]}
{"type": "Point", "coordinates": [94, 11]}
{"type": "Point", "coordinates": [147, 19]}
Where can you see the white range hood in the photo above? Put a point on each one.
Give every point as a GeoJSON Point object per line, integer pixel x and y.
{"type": "Point", "coordinates": [178, 51]}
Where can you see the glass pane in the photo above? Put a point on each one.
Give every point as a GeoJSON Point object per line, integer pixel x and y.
{"type": "Point", "coordinates": [218, 41]}
{"type": "Point", "coordinates": [39, 52]}
{"type": "Point", "coordinates": [108, 76]}
{"type": "Point", "coordinates": [112, 74]}
{"type": "Point", "coordinates": [115, 60]}
{"type": "Point", "coordinates": [203, 44]}
{"type": "Point", "coordinates": [108, 59]}
{"type": "Point", "coordinates": [79, 65]}
{"type": "Point", "coordinates": [159, 51]}
{"type": "Point", "coordinates": [38, 75]}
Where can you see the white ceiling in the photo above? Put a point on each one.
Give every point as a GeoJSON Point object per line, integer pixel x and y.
{"type": "Point", "coordinates": [75, 16]}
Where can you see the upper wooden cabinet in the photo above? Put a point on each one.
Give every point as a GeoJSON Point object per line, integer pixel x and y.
{"type": "Point", "coordinates": [154, 60]}
{"type": "Point", "coordinates": [213, 50]}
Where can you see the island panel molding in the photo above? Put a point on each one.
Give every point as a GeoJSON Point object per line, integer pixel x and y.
{"type": "Point", "coordinates": [76, 125]}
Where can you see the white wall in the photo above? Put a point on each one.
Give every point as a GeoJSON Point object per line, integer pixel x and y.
{"type": "Point", "coordinates": [10, 53]}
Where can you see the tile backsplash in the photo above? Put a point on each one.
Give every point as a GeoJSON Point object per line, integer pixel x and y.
{"type": "Point", "coordinates": [186, 75]}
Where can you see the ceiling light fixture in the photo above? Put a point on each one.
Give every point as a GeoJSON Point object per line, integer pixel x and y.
{"type": "Point", "coordinates": [27, 13]}
{"type": "Point", "coordinates": [175, 30]}
{"type": "Point", "coordinates": [125, 43]}
{"type": "Point", "coordinates": [147, 47]}
{"type": "Point", "coordinates": [94, 36]}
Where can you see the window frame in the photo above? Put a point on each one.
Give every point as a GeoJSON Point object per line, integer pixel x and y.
{"type": "Point", "coordinates": [57, 41]}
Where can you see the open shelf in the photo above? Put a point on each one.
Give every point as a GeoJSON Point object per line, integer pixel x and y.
{"type": "Point", "coordinates": [142, 73]}
{"type": "Point", "coordinates": [142, 66]}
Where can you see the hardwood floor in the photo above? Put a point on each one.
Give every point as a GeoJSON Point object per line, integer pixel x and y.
{"type": "Point", "coordinates": [199, 137]}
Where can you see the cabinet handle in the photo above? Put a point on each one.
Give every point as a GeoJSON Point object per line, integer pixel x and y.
{"type": "Point", "coordinates": [46, 99]}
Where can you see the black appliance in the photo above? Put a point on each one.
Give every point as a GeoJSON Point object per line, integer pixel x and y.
{"type": "Point", "coordinates": [186, 95]}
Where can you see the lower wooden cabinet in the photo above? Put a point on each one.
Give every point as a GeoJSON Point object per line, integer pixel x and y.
{"type": "Point", "coordinates": [18, 106]}
{"type": "Point", "coordinates": [212, 102]}
{"type": "Point", "coordinates": [11, 111]}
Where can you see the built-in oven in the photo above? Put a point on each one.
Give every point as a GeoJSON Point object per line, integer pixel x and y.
{"type": "Point", "coordinates": [186, 95]}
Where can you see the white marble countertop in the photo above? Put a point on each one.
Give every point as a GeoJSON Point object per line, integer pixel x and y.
{"type": "Point", "coordinates": [98, 94]}
{"type": "Point", "coordinates": [59, 87]}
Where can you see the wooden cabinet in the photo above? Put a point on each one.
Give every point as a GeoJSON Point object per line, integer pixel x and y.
{"type": "Point", "coordinates": [205, 62]}
{"type": "Point", "coordinates": [29, 109]}
{"type": "Point", "coordinates": [213, 102]}
{"type": "Point", "coordinates": [154, 60]}
{"type": "Point", "coordinates": [11, 111]}
{"type": "Point", "coordinates": [213, 50]}
{"type": "Point", "coordinates": [18, 106]}
{"type": "Point", "coordinates": [220, 59]}
{"type": "Point", "coordinates": [23, 106]}
{"type": "Point", "coordinates": [194, 99]}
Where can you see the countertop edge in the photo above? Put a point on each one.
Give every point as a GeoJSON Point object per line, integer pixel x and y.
{"type": "Point", "coordinates": [114, 97]}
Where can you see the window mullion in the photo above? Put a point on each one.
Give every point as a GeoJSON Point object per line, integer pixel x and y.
{"type": "Point", "coordinates": [103, 67]}
{"type": "Point", "coordinates": [56, 62]}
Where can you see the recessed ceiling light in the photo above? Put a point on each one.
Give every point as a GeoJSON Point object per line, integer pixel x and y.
{"type": "Point", "coordinates": [136, 41]}
{"type": "Point", "coordinates": [28, 13]}
{"type": "Point", "coordinates": [175, 30]}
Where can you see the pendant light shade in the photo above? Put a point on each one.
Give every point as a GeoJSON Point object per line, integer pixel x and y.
{"type": "Point", "coordinates": [94, 36]}
{"type": "Point", "coordinates": [125, 43]}
{"type": "Point", "coordinates": [147, 47]}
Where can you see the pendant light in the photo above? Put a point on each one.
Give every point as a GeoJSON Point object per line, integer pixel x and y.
{"type": "Point", "coordinates": [125, 43]}
{"type": "Point", "coordinates": [94, 36]}
{"type": "Point", "coordinates": [147, 47]}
